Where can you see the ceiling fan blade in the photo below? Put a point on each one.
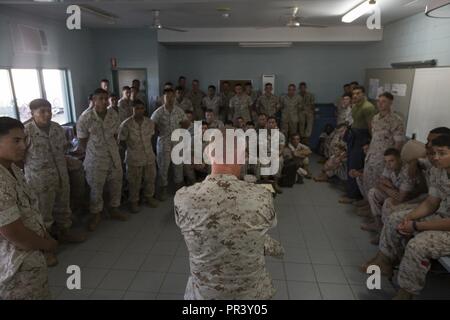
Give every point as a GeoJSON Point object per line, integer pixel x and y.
{"type": "Point", "coordinates": [309, 25]}
{"type": "Point", "coordinates": [174, 29]}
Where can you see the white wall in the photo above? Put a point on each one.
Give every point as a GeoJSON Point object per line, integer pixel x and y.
{"type": "Point", "coordinates": [411, 39]}
{"type": "Point", "coordinates": [324, 67]}
{"type": "Point", "coordinates": [133, 48]}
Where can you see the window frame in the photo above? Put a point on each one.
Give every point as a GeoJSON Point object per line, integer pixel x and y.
{"type": "Point", "coordinates": [67, 84]}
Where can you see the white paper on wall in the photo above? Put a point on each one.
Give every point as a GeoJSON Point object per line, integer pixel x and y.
{"type": "Point", "coordinates": [399, 89]}
{"type": "Point", "coordinates": [373, 88]}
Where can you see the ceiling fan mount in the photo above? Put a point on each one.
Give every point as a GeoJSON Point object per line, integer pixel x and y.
{"type": "Point", "coordinates": [156, 24]}
{"type": "Point", "coordinates": [295, 21]}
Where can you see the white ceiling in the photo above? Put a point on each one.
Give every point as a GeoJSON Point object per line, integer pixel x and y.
{"type": "Point", "coordinates": [204, 13]}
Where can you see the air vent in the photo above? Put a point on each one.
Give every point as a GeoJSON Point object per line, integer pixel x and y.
{"type": "Point", "coordinates": [29, 39]}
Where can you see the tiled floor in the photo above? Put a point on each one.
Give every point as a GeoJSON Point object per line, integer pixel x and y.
{"type": "Point", "coordinates": [146, 258]}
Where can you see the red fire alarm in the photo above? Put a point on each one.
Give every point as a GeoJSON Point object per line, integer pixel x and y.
{"type": "Point", "coordinates": [113, 63]}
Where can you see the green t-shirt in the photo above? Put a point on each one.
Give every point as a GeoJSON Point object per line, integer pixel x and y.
{"type": "Point", "coordinates": [362, 114]}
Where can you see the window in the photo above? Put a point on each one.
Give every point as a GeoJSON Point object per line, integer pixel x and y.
{"type": "Point", "coordinates": [7, 105]}
{"type": "Point", "coordinates": [55, 86]}
{"type": "Point", "coordinates": [24, 85]}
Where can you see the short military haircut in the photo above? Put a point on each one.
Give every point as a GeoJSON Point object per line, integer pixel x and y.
{"type": "Point", "coordinates": [38, 103]}
{"type": "Point", "coordinates": [303, 84]}
{"type": "Point", "coordinates": [347, 95]}
{"type": "Point", "coordinates": [136, 80]}
{"type": "Point", "coordinates": [7, 124]}
{"type": "Point", "coordinates": [346, 85]}
{"type": "Point", "coordinates": [392, 152]}
{"type": "Point", "coordinates": [440, 130]}
{"type": "Point", "coordinates": [268, 84]}
{"type": "Point", "coordinates": [181, 78]}
{"type": "Point", "coordinates": [239, 118]}
{"type": "Point", "coordinates": [387, 95]}
{"type": "Point", "coordinates": [113, 95]}
{"type": "Point", "coordinates": [168, 84]}
{"type": "Point", "coordinates": [363, 90]}
{"type": "Point", "coordinates": [262, 114]}
{"type": "Point", "coordinates": [179, 88]}
{"type": "Point", "coordinates": [354, 83]}
{"type": "Point", "coordinates": [99, 91]}
{"type": "Point", "coordinates": [238, 85]}
{"type": "Point", "coordinates": [441, 141]}
{"type": "Point", "coordinates": [212, 87]}
{"type": "Point", "coordinates": [291, 86]}
{"type": "Point", "coordinates": [250, 123]}
{"type": "Point", "coordinates": [209, 110]}
{"type": "Point", "coordinates": [271, 118]}
{"type": "Point", "coordinates": [168, 90]}
{"type": "Point", "coordinates": [138, 103]}
{"type": "Point", "coordinates": [196, 81]}
{"type": "Point", "coordinates": [104, 80]}
{"type": "Point", "coordinates": [294, 135]}
{"type": "Point", "coordinates": [126, 88]}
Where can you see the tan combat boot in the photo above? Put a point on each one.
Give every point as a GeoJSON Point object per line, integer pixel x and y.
{"type": "Point", "coordinates": [277, 188]}
{"type": "Point", "coordinates": [71, 236]}
{"type": "Point", "coordinates": [94, 221]}
{"type": "Point", "coordinates": [117, 215]}
{"type": "Point", "coordinates": [361, 203]}
{"type": "Point", "coordinates": [346, 200]}
{"type": "Point", "coordinates": [402, 294]}
{"type": "Point", "coordinates": [134, 207]}
{"type": "Point", "coordinates": [152, 202]}
{"type": "Point", "coordinates": [364, 212]}
{"type": "Point", "coordinates": [51, 259]}
{"type": "Point", "coordinates": [383, 262]}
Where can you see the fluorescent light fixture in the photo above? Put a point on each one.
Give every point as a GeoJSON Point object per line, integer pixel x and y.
{"type": "Point", "coordinates": [265, 44]}
{"type": "Point", "coordinates": [438, 9]}
{"type": "Point", "coordinates": [358, 11]}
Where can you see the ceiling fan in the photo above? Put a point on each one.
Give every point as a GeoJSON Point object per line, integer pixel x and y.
{"type": "Point", "coordinates": [294, 21]}
{"type": "Point", "coordinates": [156, 24]}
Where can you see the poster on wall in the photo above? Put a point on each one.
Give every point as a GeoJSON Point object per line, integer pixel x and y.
{"type": "Point", "coordinates": [374, 84]}
{"type": "Point", "coordinates": [399, 89]}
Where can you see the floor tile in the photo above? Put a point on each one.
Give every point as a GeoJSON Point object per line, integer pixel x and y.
{"type": "Point", "coordinates": [117, 280]}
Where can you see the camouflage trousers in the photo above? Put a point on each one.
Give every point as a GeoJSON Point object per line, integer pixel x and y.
{"type": "Point", "coordinates": [29, 283]}
{"type": "Point", "coordinates": [77, 185]}
{"type": "Point", "coordinates": [54, 205]}
{"type": "Point", "coordinates": [143, 176]}
{"type": "Point", "coordinates": [378, 200]}
{"type": "Point", "coordinates": [413, 253]}
{"type": "Point", "coordinates": [163, 159]}
{"type": "Point", "coordinates": [334, 167]}
{"type": "Point", "coordinates": [289, 127]}
{"type": "Point", "coordinates": [305, 123]}
{"type": "Point", "coordinates": [373, 168]}
{"type": "Point", "coordinates": [411, 204]}
{"type": "Point", "coordinates": [360, 183]}
{"type": "Point", "coordinates": [97, 180]}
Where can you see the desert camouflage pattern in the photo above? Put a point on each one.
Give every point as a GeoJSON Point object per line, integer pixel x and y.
{"type": "Point", "coordinates": [224, 222]}
{"type": "Point", "coordinates": [23, 274]}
